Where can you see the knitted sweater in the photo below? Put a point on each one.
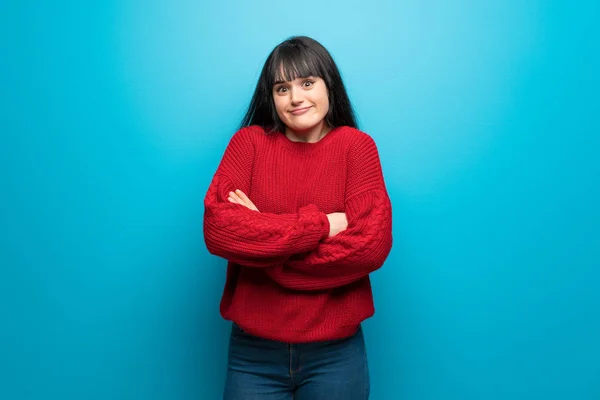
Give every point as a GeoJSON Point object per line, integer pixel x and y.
{"type": "Point", "coordinates": [286, 279]}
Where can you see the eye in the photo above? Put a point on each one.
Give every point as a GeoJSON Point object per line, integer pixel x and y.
{"type": "Point", "coordinates": [308, 83]}
{"type": "Point", "coordinates": [281, 89]}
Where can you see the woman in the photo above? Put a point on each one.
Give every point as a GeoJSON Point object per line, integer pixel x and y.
{"type": "Point", "coordinates": [299, 208]}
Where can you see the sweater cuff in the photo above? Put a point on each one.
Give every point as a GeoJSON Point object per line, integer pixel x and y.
{"type": "Point", "coordinates": [326, 227]}
{"type": "Point", "coordinates": [318, 219]}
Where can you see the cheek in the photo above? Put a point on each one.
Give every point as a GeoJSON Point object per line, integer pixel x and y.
{"type": "Point", "coordinates": [325, 104]}
{"type": "Point", "coordinates": [323, 99]}
{"type": "Point", "coordinates": [279, 106]}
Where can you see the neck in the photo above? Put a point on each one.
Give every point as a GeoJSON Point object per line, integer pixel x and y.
{"type": "Point", "coordinates": [312, 135]}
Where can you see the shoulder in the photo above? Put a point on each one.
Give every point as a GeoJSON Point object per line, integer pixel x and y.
{"type": "Point", "coordinates": [356, 139]}
{"type": "Point", "coordinates": [249, 133]}
{"type": "Point", "coordinates": [247, 136]}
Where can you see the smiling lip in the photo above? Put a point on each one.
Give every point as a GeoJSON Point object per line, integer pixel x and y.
{"type": "Point", "coordinates": [299, 111]}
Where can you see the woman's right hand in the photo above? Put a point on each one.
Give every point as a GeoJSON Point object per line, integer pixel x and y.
{"type": "Point", "coordinates": [337, 223]}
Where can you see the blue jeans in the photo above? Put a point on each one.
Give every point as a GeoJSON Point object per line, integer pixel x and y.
{"type": "Point", "coordinates": [261, 369]}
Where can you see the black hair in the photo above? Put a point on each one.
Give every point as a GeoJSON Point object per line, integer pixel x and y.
{"type": "Point", "coordinates": [298, 57]}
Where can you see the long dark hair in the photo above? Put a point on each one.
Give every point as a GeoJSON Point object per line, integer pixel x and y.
{"type": "Point", "coordinates": [298, 57]}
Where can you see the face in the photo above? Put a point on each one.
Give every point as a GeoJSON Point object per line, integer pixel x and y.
{"type": "Point", "coordinates": [301, 104]}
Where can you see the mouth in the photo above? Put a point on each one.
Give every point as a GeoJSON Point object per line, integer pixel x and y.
{"type": "Point", "coordinates": [299, 111]}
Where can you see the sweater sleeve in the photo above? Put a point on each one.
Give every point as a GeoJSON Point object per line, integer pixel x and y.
{"type": "Point", "coordinates": [248, 237]}
{"type": "Point", "coordinates": [363, 247]}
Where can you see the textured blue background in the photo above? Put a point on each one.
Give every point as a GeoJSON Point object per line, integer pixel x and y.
{"type": "Point", "coordinates": [114, 115]}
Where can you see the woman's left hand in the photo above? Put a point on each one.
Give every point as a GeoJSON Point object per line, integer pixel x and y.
{"type": "Point", "coordinates": [240, 197]}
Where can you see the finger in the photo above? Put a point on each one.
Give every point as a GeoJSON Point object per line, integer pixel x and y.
{"type": "Point", "coordinates": [237, 194]}
{"type": "Point", "coordinates": [243, 197]}
{"type": "Point", "coordinates": [246, 200]}
{"type": "Point", "coordinates": [236, 198]}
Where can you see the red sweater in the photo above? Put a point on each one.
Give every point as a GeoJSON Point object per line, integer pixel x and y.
{"type": "Point", "coordinates": [286, 279]}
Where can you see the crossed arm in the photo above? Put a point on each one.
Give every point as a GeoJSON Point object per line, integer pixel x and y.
{"type": "Point", "coordinates": [351, 251]}
{"type": "Point", "coordinates": [309, 250]}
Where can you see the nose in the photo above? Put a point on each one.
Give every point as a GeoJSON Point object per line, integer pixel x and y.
{"type": "Point", "coordinates": [296, 96]}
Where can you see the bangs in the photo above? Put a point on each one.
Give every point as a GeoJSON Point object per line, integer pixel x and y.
{"type": "Point", "coordinates": [293, 62]}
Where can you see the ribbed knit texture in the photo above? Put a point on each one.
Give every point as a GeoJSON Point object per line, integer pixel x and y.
{"type": "Point", "coordinates": [286, 279]}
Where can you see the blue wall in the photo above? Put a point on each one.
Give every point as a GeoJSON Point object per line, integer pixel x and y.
{"type": "Point", "coordinates": [114, 116]}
